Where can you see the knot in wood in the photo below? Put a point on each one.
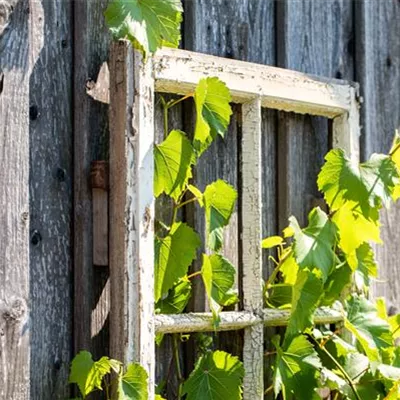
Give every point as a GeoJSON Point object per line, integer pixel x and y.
{"type": "Point", "coordinates": [15, 311]}
{"type": "Point", "coordinates": [99, 175]}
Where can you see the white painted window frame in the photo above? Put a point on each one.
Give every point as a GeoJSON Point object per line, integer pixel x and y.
{"type": "Point", "coordinates": [134, 81]}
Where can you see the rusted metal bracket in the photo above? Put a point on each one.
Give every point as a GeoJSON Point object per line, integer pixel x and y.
{"type": "Point", "coordinates": [99, 185]}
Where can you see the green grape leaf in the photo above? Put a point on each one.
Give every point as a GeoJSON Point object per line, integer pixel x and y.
{"type": "Point", "coordinates": [219, 202]}
{"type": "Point", "coordinates": [394, 322]}
{"type": "Point", "coordinates": [271, 242]}
{"type": "Point", "coordinates": [368, 184]}
{"type": "Point", "coordinates": [158, 397]}
{"type": "Point", "coordinates": [172, 165]}
{"type": "Point", "coordinates": [133, 384]}
{"type": "Point", "coordinates": [372, 332]}
{"type": "Point", "coordinates": [88, 374]}
{"type": "Point", "coordinates": [313, 246]}
{"type": "Point", "coordinates": [218, 276]}
{"type": "Point", "coordinates": [394, 393]}
{"type": "Point", "coordinates": [356, 228]}
{"type": "Point", "coordinates": [173, 255]}
{"type": "Point", "coordinates": [213, 110]}
{"type": "Point", "coordinates": [366, 267]}
{"type": "Point", "coordinates": [217, 376]}
{"type": "Point", "coordinates": [338, 280]}
{"type": "Point", "coordinates": [296, 370]}
{"type": "Point", "coordinates": [395, 156]}
{"type": "Point", "coordinates": [177, 298]}
{"type": "Point", "coordinates": [307, 292]}
{"type": "Point", "coordinates": [289, 269]}
{"type": "Point", "coordinates": [148, 24]}
{"type": "Point", "coordinates": [280, 296]}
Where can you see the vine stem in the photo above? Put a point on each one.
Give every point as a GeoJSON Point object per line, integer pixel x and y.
{"type": "Point", "coordinates": [174, 103]}
{"type": "Point", "coordinates": [186, 202]}
{"type": "Point", "coordinates": [178, 364]}
{"type": "Point", "coordinates": [194, 274]}
{"type": "Point", "coordinates": [340, 368]}
{"type": "Point", "coordinates": [274, 273]}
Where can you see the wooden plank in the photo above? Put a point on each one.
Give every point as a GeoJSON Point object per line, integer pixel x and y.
{"type": "Point", "coordinates": [377, 70]}
{"type": "Point", "coordinates": [234, 320]}
{"type": "Point", "coordinates": [50, 112]}
{"type": "Point", "coordinates": [132, 208]}
{"type": "Point", "coordinates": [251, 258]}
{"type": "Point", "coordinates": [179, 71]}
{"type": "Point", "coordinates": [21, 39]}
{"type": "Point", "coordinates": [313, 37]}
{"type": "Point", "coordinates": [91, 42]}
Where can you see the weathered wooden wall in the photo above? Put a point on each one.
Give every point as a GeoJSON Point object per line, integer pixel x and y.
{"type": "Point", "coordinates": [51, 131]}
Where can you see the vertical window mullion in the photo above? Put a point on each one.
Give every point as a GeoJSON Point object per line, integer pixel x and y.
{"type": "Point", "coordinates": [253, 350]}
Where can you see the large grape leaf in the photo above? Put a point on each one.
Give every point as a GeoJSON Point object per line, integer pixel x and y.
{"type": "Point", "coordinates": [218, 276]}
{"type": "Point", "coordinates": [307, 292]}
{"type": "Point", "coordinates": [219, 201]}
{"type": "Point", "coordinates": [88, 374]}
{"type": "Point", "coordinates": [133, 384]}
{"type": "Point", "coordinates": [313, 246]}
{"type": "Point", "coordinates": [173, 255]}
{"type": "Point", "coordinates": [172, 165]}
{"type": "Point", "coordinates": [296, 370]}
{"type": "Point", "coordinates": [371, 331]}
{"type": "Point", "coordinates": [368, 184]}
{"type": "Point", "coordinates": [177, 298]}
{"type": "Point", "coordinates": [355, 228]}
{"type": "Point", "coordinates": [289, 269]}
{"type": "Point", "coordinates": [148, 24]}
{"type": "Point", "coordinates": [213, 110]}
{"type": "Point", "coordinates": [279, 296]}
{"type": "Point", "coordinates": [217, 376]}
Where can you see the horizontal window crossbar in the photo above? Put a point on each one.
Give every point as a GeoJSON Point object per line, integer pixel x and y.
{"type": "Point", "coordinates": [234, 320]}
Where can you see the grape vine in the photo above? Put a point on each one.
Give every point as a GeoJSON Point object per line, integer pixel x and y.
{"type": "Point", "coordinates": [329, 262]}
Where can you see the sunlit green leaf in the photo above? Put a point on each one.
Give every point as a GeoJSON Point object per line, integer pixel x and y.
{"type": "Point", "coordinates": [355, 228]}
{"type": "Point", "coordinates": [368, 184]}
{"type": "Point", "coordinates": [172, 165]}
{"type": "Point", "coordinates": [173, 256]}
{"type": "Point", "coordinates": [217, 376]}
{"type": "Point", "coordinates": [289, 269]}
{"type": "Point", "coordinates": [366, 267]}
{"type": "Point", "coordinates": [133, 384]}
{"type": "Point", "coordinates": [296, 370]}
{"type": "Point", "coordinates": [271, 241]}
{"type": "Point", "coordinates": [372, 332]}
{"type": "Point", "coordinates": [307, 292]}
{"type": "Point", "coordinates": [219, 202]}
{"type": "Point", "coordinates": [196, 193]}
{"type": "Point", "coordinates": [219, 277]}
{"type": "Point", "coordinates": [88, 374]}
{"type": "Point", "coordinates": [177, 298]}
{"type": "Point", "coordinates": [148, 24]}
{"type": "Point", "coordinates": [313, 246]}
{"type": "Point", "coordinates": [213, 110]}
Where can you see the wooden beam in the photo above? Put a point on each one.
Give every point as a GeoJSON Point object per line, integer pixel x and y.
{"type": "Point", "coordinates": [132, 209]}
{"type": "Point", "coordinates": [179, 71]}
{"type": "Point", "coordinates": [251, 258]}
{"type": "Point", "coordinates": [234, 320]}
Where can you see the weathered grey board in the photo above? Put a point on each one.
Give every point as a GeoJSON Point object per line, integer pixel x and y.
{"type": "Point", "coordinates": [21, 40]}
{"type": "Point", "coordinates": [50, 112]}
{"type": "Point", "coordinates": [91, 291]}
{"type": "Point", "coordinates": [378, 71]}
{"type": "Point", "coordinates": [313, 37]}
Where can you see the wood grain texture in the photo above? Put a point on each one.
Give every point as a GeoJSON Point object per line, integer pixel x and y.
{"type": "Point", "coordinates": [132, 209]}
{"type": "Point", "coordinates": [21, 40]}
{"type": "Point", "coordinates": [313, 37]}
{"type": "Point", "coordinates": [91, 307]}
{"type": "Point", "coordinates": [378, 71]}
{"type": "Point", "coordinates": [50, 112]}
{"type": "Point", "coordinates": [251, 257]}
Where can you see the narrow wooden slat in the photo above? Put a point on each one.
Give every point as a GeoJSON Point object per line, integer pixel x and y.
{"type": "Point", "coordinates": [346, 129]}
{"type": "Point", "coordinates": [132, 209]}
{"type": "Point", "coordinates": [251, 258]}
{"type": "Point", "coordinates": [179, 71]}
{"type": "Point", "coordinates": [234, 320]}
